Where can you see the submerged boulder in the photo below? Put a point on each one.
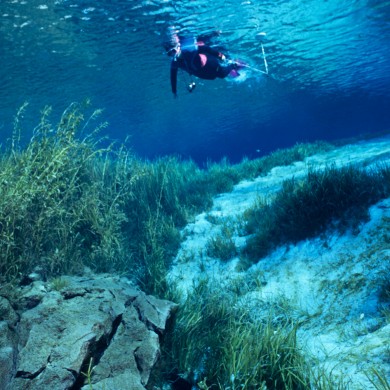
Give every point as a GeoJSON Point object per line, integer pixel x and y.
{"type": "Point", "coordinates": [84, 330]}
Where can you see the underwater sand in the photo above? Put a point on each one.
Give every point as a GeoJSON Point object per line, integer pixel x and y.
{"type": "Point", "coordinates": [330, 283]}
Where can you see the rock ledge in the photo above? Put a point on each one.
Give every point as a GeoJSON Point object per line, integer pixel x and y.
{"type": "Point", "coordinates": [48, 338]}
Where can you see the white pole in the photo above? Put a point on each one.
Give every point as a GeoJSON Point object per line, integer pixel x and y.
{"type": "Point", "coordinates": [265, 60]}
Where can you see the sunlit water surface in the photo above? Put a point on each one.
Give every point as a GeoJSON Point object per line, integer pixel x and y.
{"type": "Point", "coordinates": [329, 64]}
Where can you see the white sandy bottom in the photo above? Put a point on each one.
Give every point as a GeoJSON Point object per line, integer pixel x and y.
{"type": "Point", "coordinates": [330, 284]}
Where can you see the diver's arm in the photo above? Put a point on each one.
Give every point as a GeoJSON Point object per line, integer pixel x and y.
{"type": "Point", "coordinates": [174, 77]}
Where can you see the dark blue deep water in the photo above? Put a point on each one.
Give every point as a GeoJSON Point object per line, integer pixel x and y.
{"type": "Point", "coordinates": [329, 63]}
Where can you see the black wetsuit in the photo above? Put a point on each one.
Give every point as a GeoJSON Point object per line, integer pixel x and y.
{"type": "Point", "coordinates": [193, 63]}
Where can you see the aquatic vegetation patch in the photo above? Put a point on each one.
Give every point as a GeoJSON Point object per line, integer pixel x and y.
{"type": "Point", "coordinates": [216, 344]}
{"type": "Point", "coordinates": [222, 246]}
{"type": "Point", "coordinates": [223, 176]}
{"type": "Point", "coordinates": [67, 201]}
{"type": "Point", "coordinates": [59, 283]}
{"type": "Point", "coordinates": [378, 379]}
{"type": "Point", "coordinates": [331, 197]}
{"type": "Point", "coordinates": [249, 169]}
{"type": "Point", "coordinates": [384, 294]}
{"type": "Point", "coordinates": [54, 209]}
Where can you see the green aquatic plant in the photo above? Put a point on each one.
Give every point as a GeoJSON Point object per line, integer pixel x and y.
{"type": "Point", "coordinates": [61, 197]}
{"type": "Point", "coordinates": [88, 374]}
{"type": "Point", "coordinates": [332, 197]}
{"type": "Point", "coordinates": [384, 283]}
{"type": "Point", "coordinates": [222, 176]}
{"type": "Point", "coordinates": [262, 355]}
{"type": "Point", "coordinates": [67, 201]}
{"type": "Point", "coordinates": [378, 379]}
{"type": "Point", "coordinates": [159, 208]}
{"type": "Point", "coordinates": [384, 294]}
{"type": "Point", "coordinates": [215, 343]}
{"type": "Point", "coordinates": [249, 169]}
{"type": "Point", "coordinates": [222, 246]}
{"type": "Point", "coordinates": [59, 283]}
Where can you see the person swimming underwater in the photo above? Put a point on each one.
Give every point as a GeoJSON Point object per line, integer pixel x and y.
{"type": "Point", "coordinates": [198, 59]}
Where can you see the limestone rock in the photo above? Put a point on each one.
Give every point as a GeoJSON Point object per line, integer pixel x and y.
{"type": "Point", "coordinates": [8, 340]}
{"type": "Point", "coordinates": [100, 320]}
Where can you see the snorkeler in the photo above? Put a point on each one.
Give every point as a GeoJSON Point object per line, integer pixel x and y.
{"type": "Point", "coordinates": [198, 59]}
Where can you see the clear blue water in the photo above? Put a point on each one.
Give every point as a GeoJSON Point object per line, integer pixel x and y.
{"type": "Point", "coordinates": [329, 63]}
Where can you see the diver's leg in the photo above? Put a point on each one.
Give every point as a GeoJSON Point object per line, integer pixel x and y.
{"type": "Point", "coordinates": [226, 70]}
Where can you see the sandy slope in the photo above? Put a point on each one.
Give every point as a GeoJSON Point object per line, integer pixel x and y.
{"type": "Point", "coordinates": [330, 284]}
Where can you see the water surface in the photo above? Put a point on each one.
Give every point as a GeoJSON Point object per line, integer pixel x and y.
{"type": "Point", "coordinates": [328, 60]}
